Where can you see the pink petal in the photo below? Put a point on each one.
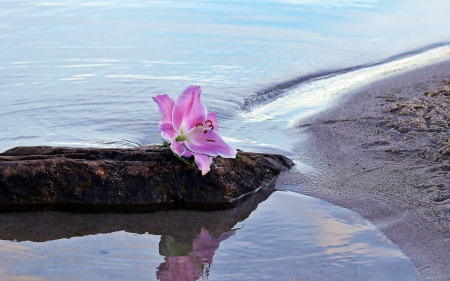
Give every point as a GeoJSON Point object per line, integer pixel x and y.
{"type": "Point", "coordinates": [167, 131]}
{"type": "Point", "coordinates": [179, 268]}
{"type": "Point", "coordinates": [205, 242]}
{"type": "Point", "coordinates": [210, 143]}
{"type": "Point", "coordinates": [188, 110]}
{"type": "Point", "coordinates": [213, 119]}
{"type": "Point", "coordinates": [179, 148]}
{"type": "Point", "coordinates": [165, 105]}
{"type": "Point", "coordinates": [203, 162]}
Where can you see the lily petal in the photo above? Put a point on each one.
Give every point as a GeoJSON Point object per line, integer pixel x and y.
{"type": "Point", "coordinates": [211, 144]}
{"type": "Point", "coordinates": [165, 105]}
{"type": "Point", "coordinates": [212, 117]}
{"type": "Point", "coordinates": [188, 110]}
{"type": "Point", "coordinates": [179, 148]}
{"type": "Point", "coordinates": [167, 131]}
{"type": "Point", "coordinates": [202, 161]}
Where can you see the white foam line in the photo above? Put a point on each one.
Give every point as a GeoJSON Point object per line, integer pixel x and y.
{"type": "Point", "coordinates": [247, 141]}
{"type": "Point", "coordinates": [313, 96]}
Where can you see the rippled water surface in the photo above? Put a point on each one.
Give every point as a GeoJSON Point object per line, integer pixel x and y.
{"type": "Point", "coordinates": [82, 73]}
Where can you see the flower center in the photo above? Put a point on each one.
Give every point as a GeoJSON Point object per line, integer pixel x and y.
{"type": "Point", "coordinates": [200, 128]}
{"type": "Point", "coordinates": [180, 138]}
{"type": "Point", "coordinates": [208, 126]}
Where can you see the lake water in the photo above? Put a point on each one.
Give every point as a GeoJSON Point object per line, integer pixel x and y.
{"type": "Point", "coordinates": [288, 237]}
{"type": "Point", "coordinates": [83, 73]}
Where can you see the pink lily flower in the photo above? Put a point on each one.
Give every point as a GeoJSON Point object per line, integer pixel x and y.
{"type": "Point", "coordinates": [192, 266]}
{"type": "Point", "coordinates": [190, 129]}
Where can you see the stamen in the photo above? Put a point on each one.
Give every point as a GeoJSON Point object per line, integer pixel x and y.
{"type": "Point", "coordinates": [211, 140]}
{"type": "Point", "coordinates": [205, 131]}
{"type": "Point", "coordinates": [210, 122]}
{"type": "Point", "coordinates": [199, 125]}
{"type": "Point", "coordinates": [212, 127]}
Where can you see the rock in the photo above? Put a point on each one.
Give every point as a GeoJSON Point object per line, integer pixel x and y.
{"type": "Point", "coordinates": [182, 225]}
{"type": "Point", "coordinates": [135, 179]}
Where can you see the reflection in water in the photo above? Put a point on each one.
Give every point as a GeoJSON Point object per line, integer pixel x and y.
{"type": "Point", "coordinates": [98, 246]}
{"type": "Point", "coordinates": [182, 225]}
{"type": "Point", "coordinates": [196, 263]}
{"type": "Point", "coordinates": [285, 236]}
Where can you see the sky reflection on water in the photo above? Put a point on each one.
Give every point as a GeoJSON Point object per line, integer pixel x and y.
{"type": "Point", "coordinates": [288, 237]}
{"type": "Point", "coordinates": [82, 73]}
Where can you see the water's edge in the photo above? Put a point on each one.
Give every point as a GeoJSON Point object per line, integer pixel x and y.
{"type": "Point", "coordinates": [274, 91]}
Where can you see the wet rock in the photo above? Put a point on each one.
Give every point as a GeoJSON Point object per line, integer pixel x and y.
{"type": "Point", "coordinates": [182, 225]}
{"type": "Point", "coordinates": [35, 178]}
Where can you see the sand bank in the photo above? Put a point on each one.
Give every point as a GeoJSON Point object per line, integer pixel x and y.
{"type": "Point", "coordinates": [384, 152]}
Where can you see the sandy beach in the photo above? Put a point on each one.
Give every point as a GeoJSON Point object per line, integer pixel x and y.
{"type": "Point", "coordinates": [384, 152]}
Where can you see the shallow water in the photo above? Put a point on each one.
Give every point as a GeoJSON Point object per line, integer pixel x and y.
{"type": "Point", "coordinates": [288, 237]}
{"type": "Point", "coordinates": [82, 73]}
{"type": "Point", "coordinates": [294, 103]}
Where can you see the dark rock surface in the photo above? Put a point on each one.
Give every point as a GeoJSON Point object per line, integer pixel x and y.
{"type": "Point", "coordinates": [142, 178]}
{"type": "Point", "coordinates": [182, 225]}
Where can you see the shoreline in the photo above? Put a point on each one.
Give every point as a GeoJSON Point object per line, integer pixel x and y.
{"type": "Point", "coordinates": [383, 151]}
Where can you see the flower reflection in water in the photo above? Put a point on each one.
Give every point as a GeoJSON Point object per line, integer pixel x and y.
{"type": "Point", "coordinates": [196, 263]}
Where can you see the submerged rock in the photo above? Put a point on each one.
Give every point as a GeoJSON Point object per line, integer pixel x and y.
{"type": "Point", "coordinates": [42, 177]}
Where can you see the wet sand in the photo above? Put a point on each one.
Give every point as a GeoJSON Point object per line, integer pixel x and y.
{"type": "Point", "coordinates": [384, 152]}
